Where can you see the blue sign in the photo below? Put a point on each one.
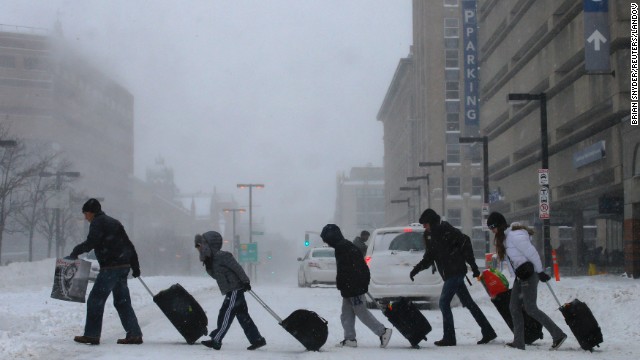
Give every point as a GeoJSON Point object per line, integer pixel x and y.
{"type": "Point", "coordinates": [596, 36]}
{"type": "Point", "coordinates": [470, 43]}
{"type": "Point", "coordinates": [589, 154]}
{"type": "Point", "coordinates": [248, 253]}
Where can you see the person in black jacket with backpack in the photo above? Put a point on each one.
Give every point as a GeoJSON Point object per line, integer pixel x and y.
{"type": "Point", "coordinates": [449, 250]}
{"type": "Point", "coordinates": [116, 256]}
{"type": "Point", "coordinates": [352, 279]}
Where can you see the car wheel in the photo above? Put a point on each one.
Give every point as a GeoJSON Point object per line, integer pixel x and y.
{"type": "Point", "coordinates": [301, 280]}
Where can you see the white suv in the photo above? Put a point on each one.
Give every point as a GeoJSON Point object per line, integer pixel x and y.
{"type": "Point", "coordinates": [391, 255]}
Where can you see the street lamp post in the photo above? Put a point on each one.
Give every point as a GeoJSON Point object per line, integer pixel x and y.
{"type": "Point", "coordinates": [59, 175]}
{"type": "Point", "coordinates": [441, 164]}
{"type": "Point", "coordinates": [408, 201]}
{"type": "Point", "coordinates": [485, 171]}
{"type": "Point", "coordinates": [544, 143]}
{"type": "Point", "coordinates": [413, 188]}
{"type": "Point", "coordinates": [235, 240]}
{"type": "Point", "coordinates": [425, 177]}
{"type": "Point", "coordinates": [251, 186]}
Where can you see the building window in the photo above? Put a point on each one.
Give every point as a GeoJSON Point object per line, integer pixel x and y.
{"type": "Point", "coordinates": [476, 218]}
{"type": "Point", "coordinates": [7, 61]}
{"type": "Point", "coordinates": [453, 148]}
{"type": "Point", "coordinates": [451, 58]}
{"type": "Point", "coordinates": [450, 3]}
{"type": "Point", "coordinates": [475, 154]}
{"type": "Point", "coordinates": [453, 122]}
{"type": "Point", "coordinates": [476, 186]}
{"type": "Point", "coordinates": [452, 106]}
{"type": "Point", "coordinates": [451, 28]}
{"type": "Point", "coordinates": [452, 90]}
{"type": "Point", "coordinates": [451, 43]}
{"type": "Point", "coordinates": [454, 217]}
{"type": "Point", "coordinates": [453, 185]}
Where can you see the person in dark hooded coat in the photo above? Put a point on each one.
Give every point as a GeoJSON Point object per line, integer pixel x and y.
{"type": "Point", "coordinates": [352, 279]}
{"type": "Point", "coordinates": [233, 282]}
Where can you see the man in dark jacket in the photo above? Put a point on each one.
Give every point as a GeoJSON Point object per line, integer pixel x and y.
{"type": "Point", "coordinates": [448, 249]}
{"type": "Point", "coordinates": [232, 282]}
{"type": "Point", "coordinates": [361, 241]}
{"type": "Point", "coordinates": [352, 279]}
{"type": "Point", "coordinates": [116, 255]}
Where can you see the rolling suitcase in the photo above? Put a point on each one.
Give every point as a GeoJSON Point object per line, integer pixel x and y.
{"type": "Point", "coordinates": [581, 321]}
{"type": "Point", "coordinates": [184, 312]}
{"type": "Point", "coordinates": [309, 328]}
{"type": "Point", "coordinates": [532, 328]}
{"type": "Point", "coordinates": [405, 316]}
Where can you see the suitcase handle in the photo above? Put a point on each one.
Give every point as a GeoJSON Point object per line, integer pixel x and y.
{"type": "Point", "coordinates": [375, 301]}
{"type": "Point", "coordinates": [264, 305]}
{"type": "Point", "coordinates": [145, 286]}
{"type": "Point", "coordinates": [553, 293]}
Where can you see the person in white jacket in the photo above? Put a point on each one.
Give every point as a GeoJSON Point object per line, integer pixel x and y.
{"type": "Point", "coordinates": [513, 245]}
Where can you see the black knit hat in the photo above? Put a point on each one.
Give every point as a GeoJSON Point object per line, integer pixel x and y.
{"type": "Point", "coordinates": [429, 217]}
{"type": "Point", "coordinates": [92, 205]}
{"type": "Point", "coordinates": [496, 220]}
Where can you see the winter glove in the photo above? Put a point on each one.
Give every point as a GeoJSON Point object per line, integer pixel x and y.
{"type": "Point", "coordinates": [413, 273]}
{"type": "Point", "coordinates": [543, 276]}
{"type": "Point", "coordinates": [476, 273]}
{"type": "Point", "coordinates": [246, 286]}
{"type": "Point", "coordinates": [135, 272]}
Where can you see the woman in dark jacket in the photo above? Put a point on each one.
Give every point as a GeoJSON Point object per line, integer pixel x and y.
{"type": "Point", "coordinates": [352, 279]}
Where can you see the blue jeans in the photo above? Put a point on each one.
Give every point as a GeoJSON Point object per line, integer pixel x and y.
{"type": "Point", "coordinates": [456, 286]}
{"type": "Point", "coordinates": [235, 306]}
{"type": "Point", "coordinates": [108, 281]}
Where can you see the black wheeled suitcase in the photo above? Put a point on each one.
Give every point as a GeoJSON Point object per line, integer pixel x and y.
{"type": "Point", "coordinates": [309, 328]}
{"type": "Point", "coordinates": [182, 309]}
{"type": "Point", "coordinates": [583, 324]}
{"type": "Point", "coordinates": [532, 328]}
{"type": "Point", "coordinates": [407, 318]}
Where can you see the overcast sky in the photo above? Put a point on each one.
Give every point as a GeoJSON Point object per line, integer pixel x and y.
{"type": "Point", "coordinates": [279, 92]}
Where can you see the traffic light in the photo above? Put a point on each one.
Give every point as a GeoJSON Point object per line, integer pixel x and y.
{"type": "Point", "coordinates": [306, 239]}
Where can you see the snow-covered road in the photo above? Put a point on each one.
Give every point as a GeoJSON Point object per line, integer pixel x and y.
{"type": "Point", "coordinates": [34, 326]}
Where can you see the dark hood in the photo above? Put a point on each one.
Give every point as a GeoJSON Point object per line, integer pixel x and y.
{"type": "Point", "coordinates": [331, 234]}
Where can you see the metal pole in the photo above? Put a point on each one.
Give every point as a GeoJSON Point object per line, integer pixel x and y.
{"type": "Point", "coordinates": [57, 215]}
{"type": "Point", "coordinates": [428, 192]}
{"type": "Point", "coordinates": [546, 236]}
{"type": "Point", "coordinates": [444, 192]}
{"type": "Point", "coordinates": [235, 250]}
{"type": "Point", "coordinates": [485, 169]}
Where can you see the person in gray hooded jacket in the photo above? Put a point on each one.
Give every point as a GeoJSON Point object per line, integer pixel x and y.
{"type": "Point", "coordinates": [233, 282]}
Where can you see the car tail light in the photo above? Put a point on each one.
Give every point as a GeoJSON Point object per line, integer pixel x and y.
{"type": "Point", "coordinates": [367, 259]}
{"type": "Point", "coordinates": [408, 229]}
{"type": "Point", "coordinates": [314, 264]}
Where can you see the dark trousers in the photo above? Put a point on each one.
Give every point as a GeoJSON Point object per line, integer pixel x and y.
{"type": "Point", "coordinates": [108, 281]}
{"type": "Point", "coordinates": [456, 286]}
{"type": "Point", "coordinates": [235, 305]}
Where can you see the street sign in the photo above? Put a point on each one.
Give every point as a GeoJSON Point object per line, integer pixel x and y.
{"type": "Point", "coordinates": [544, 203]}
{"type": "Point", "coordinates": [248, 253]}
{"type": "Point", "coordinates": [596, 36]}
{"type": "Point", "coordinates": [485, 209]}
{"type": "Point", "coordinates": [543, 176]}
{"type": "Point", "coordinates": [257, 233]}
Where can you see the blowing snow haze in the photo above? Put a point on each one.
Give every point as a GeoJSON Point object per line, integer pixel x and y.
{"type": "Point", "coordinates": [280, 92]}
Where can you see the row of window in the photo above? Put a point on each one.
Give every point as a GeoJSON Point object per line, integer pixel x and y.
{"type": "Point", "coordinates": [454, 217]}
{"type": "Point", "coordinates": [28, 62]}
{"type": "Point", "coordinates": [454, 188]}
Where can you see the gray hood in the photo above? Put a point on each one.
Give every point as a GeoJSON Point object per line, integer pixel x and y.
{"type": "Point", "coordinates": [209, 242]}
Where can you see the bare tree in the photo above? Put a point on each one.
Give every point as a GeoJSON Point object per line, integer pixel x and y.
{"type": "Point", "coordinates": [36, 193]}
{"type": "Point", "coordinates": [16, 168]}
